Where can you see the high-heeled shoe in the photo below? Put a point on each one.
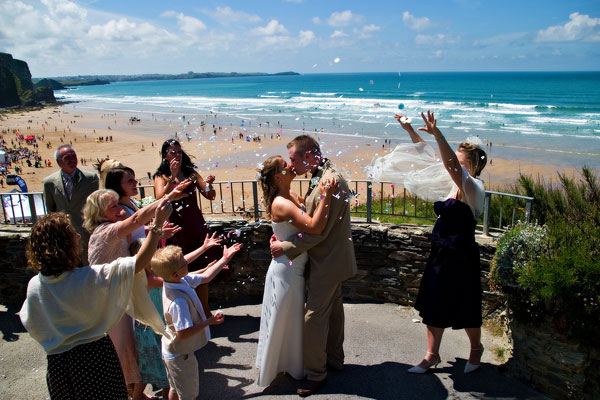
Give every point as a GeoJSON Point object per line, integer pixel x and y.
{"type": "Point", "coordinates": [417, 369]}
{"type": "Point", "coordinates": [472, 367]}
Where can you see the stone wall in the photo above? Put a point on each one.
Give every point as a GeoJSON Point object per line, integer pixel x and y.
{"type": "Point", "coordinates": [554, 364]}
{"type": "Point", "coordinates": [390, 259]}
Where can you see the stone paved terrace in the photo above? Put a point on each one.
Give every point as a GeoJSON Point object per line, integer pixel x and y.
{"type": "Point", "coordinates": [382, 342]}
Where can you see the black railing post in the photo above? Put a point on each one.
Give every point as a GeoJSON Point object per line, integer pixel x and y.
{"type": "Point", "coordinates": [255, 195]}
{"type": "Point", "coordinates": [32, 210]}
{"type": "Point", "coordinates": [486, 213]}
{"type": "Point", "coordinates": [369, 201]}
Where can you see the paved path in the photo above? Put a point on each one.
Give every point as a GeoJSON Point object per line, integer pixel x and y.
{"type": "Point", "coordinates": [382, 342]}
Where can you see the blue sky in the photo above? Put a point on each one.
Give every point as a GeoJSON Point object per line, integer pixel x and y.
{"type": "Point", "coordinates": [60, 37]}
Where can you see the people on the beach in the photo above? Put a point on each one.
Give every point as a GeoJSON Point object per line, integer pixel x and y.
{"type": "Point", "coordinates": [68, 310]}
{"type": "Point", "coordinates": [331, 259]}
{"type": "Point", "coordinates": [176, 167]}
{"type": "Point", "coordinates": [67, 191]}
{"type": "Point", "coordinates": [450, 291]}
{"type": "Point", "coordinates": [281, 325]}
{"type": "Point", "coordinates": [185, 317]}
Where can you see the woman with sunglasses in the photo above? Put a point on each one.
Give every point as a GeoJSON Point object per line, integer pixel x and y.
{"type": "Point", "coordinates": [175, 167]}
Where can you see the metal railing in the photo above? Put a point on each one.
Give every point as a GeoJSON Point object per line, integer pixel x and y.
{"type": "Point", "coordinates": [367, 199]}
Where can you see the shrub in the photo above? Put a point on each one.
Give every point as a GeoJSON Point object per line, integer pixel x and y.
{"type": "Point", "coordinates": [555, 270]}
{"type": "Point", "coordinates": [515, 253]}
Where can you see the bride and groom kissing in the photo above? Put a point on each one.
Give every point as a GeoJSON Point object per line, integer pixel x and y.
{"type": "Point", "coordinates": [313, 253]}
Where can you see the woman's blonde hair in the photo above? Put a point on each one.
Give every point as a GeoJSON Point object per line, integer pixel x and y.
{"type": "Point", "coordinates": [476, 155]}
{"type": "Point", "coordinates": [53, 247]}
{"type": "Point", "coordinates": [270, 167]}
{"type": "Point", "coordinates": [95, 206]}
{"type": "Point", "coordinates": [164, 262]}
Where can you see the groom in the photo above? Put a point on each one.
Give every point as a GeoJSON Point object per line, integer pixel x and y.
{"type": "Point", "coordinates": [331, 261]}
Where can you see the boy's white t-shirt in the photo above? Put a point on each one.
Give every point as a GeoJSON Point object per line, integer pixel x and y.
{"type": "Point", "coordinates": [180, 313]}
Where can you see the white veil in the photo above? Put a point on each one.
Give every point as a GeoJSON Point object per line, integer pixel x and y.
{"type": "Point", "coordinates": [416, 167]}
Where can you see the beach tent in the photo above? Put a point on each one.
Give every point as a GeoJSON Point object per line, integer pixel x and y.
{"type": "Point", "coordinates": [30, 138]}
{"type": "Point", "coordinates": [2, 156]}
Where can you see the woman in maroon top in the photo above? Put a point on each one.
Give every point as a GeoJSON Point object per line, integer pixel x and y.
{"type": "Point", "coordinates": [174, 168]}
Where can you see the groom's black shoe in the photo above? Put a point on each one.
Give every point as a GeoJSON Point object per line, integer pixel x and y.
{"type": "Point", "coordinates": [310, 387]}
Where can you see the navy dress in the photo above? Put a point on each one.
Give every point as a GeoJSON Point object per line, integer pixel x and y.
{"type": "Point", "coordinates": [450, 291]}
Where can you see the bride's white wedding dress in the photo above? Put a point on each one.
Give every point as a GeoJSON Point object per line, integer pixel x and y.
{"type": "Point", "coordinates": [282, 317]}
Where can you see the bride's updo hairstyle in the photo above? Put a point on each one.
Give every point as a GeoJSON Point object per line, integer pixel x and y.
{"type": "Point", "coordinates": [270, 167]}
{"type": "Point", "coordinates": [476, 156]}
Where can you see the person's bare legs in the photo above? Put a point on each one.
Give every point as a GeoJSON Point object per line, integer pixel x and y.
{"type": "Point", "coordinates": [434, 340]}
{"type": "Point", "coordinates": [474, 335]}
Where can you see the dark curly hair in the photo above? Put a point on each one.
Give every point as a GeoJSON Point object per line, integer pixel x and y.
{"type": "Point", "coordinates": [270, 167]}
{"type": "Point", "coordinates": [53, 245]}
{"type": "Point", "coordinates": [187, 166]}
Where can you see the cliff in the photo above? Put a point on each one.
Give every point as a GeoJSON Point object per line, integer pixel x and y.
{"type": "Point", "coordinates": [16, 86]}
{"type": "Point", "coordinates": [49, 83]}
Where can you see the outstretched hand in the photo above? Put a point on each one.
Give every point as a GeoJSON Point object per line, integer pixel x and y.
{"type": "Point", "coordinates": [228, 252]}
{"type": "Point", "coordinates": [179, 191]}
{"type": "Point", "coordinates": [212, 241]}
{"type": "Point", "coordinates": [163, 211]}
{"type": "Point", "coordinates": [169, 230]}
{"type": "Point", "coordinates": [430, 124]}
{"type": "Point", "coordinates": [404, 122]}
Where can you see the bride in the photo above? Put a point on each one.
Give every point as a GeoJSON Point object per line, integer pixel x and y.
{"type": "Point", "coordinates": [282, 317]}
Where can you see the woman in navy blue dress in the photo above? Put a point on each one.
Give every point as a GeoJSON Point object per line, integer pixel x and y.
{"type": "Point", "coordinates": [450, 291]}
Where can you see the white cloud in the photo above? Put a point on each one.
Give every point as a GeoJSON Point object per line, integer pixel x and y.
{"type": "Point", "coordinates": [338, 34]}
{"type": "Point", "coordinates": [366, 31]}
{"type": "Point", "coordinates": [435, 40]}
{"type": "Point", "coordinates": [579, 28]}
{"type": "Point", "coordinates": [343, 18]}
{"type": "Point", "coordinates": [305, 38]}
{"type": "Point", "coordinates": [227, 16]}
{"type": "Point", "coordinates": [414, 23]}
{"type": "Point", "coordinates": [271, 29]}
{"type": "Point", "coordinates": [316, 20]}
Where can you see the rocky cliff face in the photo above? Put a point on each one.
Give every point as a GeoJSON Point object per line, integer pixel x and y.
{"type": "Point", "coordinates": [9, 95]}
{"type": "Point", "coordinates": [16, 87]}
{"type": "Point", "coordinates": [49, 83]}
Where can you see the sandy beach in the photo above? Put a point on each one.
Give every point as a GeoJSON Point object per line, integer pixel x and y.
{"type": "Point", "coordinates": [137, 145]}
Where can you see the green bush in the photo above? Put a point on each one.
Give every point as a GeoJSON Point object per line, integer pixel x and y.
{"type": "Point", "coordinates": [517, 250]}
{"type": "Point", "coordinates": [559, 276]}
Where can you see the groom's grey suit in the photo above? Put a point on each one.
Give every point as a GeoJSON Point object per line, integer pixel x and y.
{"type": "Point", "coordinates": [331, 261]}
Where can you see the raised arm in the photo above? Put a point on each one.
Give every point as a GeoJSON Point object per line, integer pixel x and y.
{"type": "Point", "coordinates": [162, 211]}
{"type": "Point", "coordinates": [447, 154]}
{"type": "Point", "coordinates": [285, 210]}
{"type": "Point", "coordinates": [405, 123]}
{"type": "Point", "coordinates": [296, 245]}
{"type": "Point", "coordinates": [144, 215]}
{"type": "Point", "coordinates": [209, 241]}
{"type": "Point", "coordinates": [205, 186]}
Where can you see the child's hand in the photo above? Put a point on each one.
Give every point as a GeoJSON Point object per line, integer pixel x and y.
{"type": "Point", "coordinates": [229, 252]}
{"type": "Point", "coordinates": [217, 318]}
{"type": "Point", "coordinates": [211, 241]}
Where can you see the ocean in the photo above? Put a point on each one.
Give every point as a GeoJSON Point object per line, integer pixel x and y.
{"type": "Point", "coordinates": [542, 117]}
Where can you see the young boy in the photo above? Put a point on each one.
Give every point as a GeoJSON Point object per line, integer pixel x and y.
{"type": "Point", "coordinates": [184, 317]}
